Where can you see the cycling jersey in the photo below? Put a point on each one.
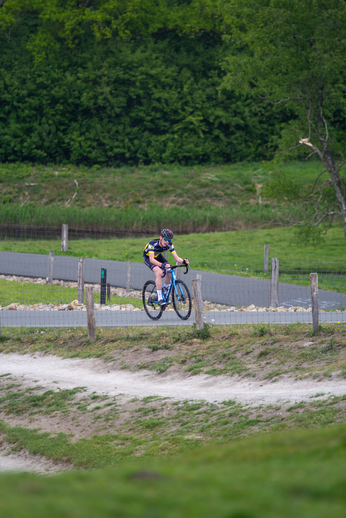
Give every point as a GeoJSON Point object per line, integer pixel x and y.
{"type": "Point", "coordinates": [155, 247]}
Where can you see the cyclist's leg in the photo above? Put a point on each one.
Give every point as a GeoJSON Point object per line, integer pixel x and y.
{"type": "Point", "coordinates": [158, 274]}
{"type": "Point", "coordinates": [168, 275]}
{"type": "Point", "coordinates": [158, 271]}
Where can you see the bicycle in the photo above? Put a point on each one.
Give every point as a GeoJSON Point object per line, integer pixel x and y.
{"type": "Point", "coordinates": [180, 296]}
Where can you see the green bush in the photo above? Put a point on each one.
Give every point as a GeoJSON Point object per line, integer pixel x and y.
{"type": "Point", "coordinates": [141, 100]}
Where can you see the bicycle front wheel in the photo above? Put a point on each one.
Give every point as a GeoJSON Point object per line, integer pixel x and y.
{"type": "Point", "coordinates": [182, 300]}
{"type": "Point", "coordinates": [149, 298]}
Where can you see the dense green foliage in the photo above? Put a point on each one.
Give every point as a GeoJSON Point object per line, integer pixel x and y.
{"type": "Point", "coordinates": [149, 98]}
{"type": "Point", "coordinates": [293, 53]}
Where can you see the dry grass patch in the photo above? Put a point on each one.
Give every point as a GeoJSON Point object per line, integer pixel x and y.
{"type": "Point", "coordinates": [258, 352]}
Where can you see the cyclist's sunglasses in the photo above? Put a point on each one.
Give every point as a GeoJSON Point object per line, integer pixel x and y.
{"type": "Point", "coordinates": [167, 240]}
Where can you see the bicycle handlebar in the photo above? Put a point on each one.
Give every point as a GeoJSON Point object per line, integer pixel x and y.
{"type": "Point", "coordinates": [180, 266]}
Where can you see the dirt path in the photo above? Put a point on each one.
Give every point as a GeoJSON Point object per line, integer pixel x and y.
{"type": "Point", "coordinates": [96, 375]}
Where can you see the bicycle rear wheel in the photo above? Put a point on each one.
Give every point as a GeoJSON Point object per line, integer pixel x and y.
{"type": "Point", "coordinates": [149, 298]}
{"type": "Point", "coordinates": [182, 300]}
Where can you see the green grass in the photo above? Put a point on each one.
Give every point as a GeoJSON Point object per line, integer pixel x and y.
{"type": "Point", "coordinates": [299, 473]}
{"type": "Point", "coordinates": [116, 428]}
{"type": "Point", "coordinates": [229, 250]}
{"type": "Point", "coordinates": [19, 402]}
{"type": "Point", "coordinates": [31, 293]}
{"type": "Point", "coordinates": [141, 199]}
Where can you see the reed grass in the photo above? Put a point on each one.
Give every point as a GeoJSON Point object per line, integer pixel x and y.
{"type": "Point", "coordinates": [136, 219]}
{"type": "Point", "coordinates": [190, 199]}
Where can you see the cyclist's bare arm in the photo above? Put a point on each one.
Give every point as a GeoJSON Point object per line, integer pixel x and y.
{"type": "Point", "coordinates": [179, 259]}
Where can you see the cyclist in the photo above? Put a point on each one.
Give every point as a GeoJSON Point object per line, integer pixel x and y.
{"type": "Point", "coordinates": [153, 258]}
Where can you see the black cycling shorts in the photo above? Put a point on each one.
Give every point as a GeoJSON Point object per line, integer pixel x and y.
{"type": "Point", "coordinates": [159, 258]}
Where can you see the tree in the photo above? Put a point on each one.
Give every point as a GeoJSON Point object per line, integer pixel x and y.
{"type": "Point", "coordinates": [293, 51]}
{"type": "Point", "coordinates": [67, 20]}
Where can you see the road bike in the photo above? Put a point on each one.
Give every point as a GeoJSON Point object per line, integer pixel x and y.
{"type": "Point", "coordinates": [178, 293]}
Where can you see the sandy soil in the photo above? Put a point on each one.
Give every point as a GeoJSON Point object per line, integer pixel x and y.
{"type": "Point", "coordinates": [99, 376]}
{"type": "Point", "coordinates": [25, 461]}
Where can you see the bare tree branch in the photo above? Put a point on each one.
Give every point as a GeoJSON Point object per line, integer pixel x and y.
{"type": "Point", "coordinates": [306, 142]}
{"type": "Point", "coordinates": [276, 222]}
{"type": "Point", "coordinates": [313, 192]}
{"type": "Point", "coordinates": [326, 215]}
{"type": "Point", "coordinates": [282, 100]}
{"type": "Point", "coordinates": [307, 158]}
{"type": "Point", "coordinates": [312, 39]}
{"type": "Point", "coordinates": [340, 166]}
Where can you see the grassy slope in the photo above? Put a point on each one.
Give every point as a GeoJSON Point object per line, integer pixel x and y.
{"type": "Point", "coordinates": [188, 198]}
{"type": "Point", "coordinates": [256, 352]}
{"type": "Point", "coordinates": [299, 473]}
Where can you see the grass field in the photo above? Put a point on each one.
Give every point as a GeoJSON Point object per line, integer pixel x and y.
{"type": "Point", "coordinates": [31, 293]}
{"type": "Point", "coordinates": [231, 248]}
{"type": "Point", "coordinates": [190, 199]}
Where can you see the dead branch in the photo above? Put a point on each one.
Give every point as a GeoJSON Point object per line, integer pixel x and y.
{"type": "Point", "coordinates": [321, 186]}
{"type": "Point", "coordinates": [309, 156]}
{"type": "Point", "coordinates": [28, 198]}
{"type": "Point", "coordinates": [340, 166]}
{"type": "Point", "coordinates": [306, 142]}
{"type": "Point", "coordinates": [275, 222]}
{"type": "Point", "coordinates": [325, 215]}
{"type": "Point", "coordinates": [70, 200]}
{"type": "Point", "coordinates": [282, 100]}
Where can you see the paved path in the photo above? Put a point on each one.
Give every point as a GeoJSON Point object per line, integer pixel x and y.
{"type": "Point", "coordinates": [216, 287]}
{"type": "Point", "coordinates": [25, 318]}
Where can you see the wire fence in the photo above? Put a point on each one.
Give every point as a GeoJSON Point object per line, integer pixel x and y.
{"type": "Point", "coordinates": [48, 291]}
{"type": "Point", "coordinates": [26, 232]}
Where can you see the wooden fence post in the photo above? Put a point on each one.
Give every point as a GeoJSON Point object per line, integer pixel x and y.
{"type": "Point", "coordinates": [198, 302]}
{"type": "Point", "coordinates": [177, 272]}
{"type": "Point", "coordinates": [108, 288]}
{"type": "Point", "coordinates": [90, 306]}
{"type": "Point", "coordinates": [314, 301]}
{"type": "Point", "coordinates": [64, 238]}
{"type": "Point", "coordinates": [81, 280]}
{"type": "Point", "coordinates": [128, 278]}
{"type": "Point", "coordinates": [274, 283]}
{"type": "Point", "coordinates": [50, 267]}
{"type": "Point", "coordinates": [266, 258]}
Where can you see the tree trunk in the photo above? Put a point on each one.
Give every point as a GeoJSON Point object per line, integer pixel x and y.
{"type": "Point", "coordinates": [336, 180]}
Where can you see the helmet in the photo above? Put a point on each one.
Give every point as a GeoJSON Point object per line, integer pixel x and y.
{"type": "Point", "coordinates": [166, 233]}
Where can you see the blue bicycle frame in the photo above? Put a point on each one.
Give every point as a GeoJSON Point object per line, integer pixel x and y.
{"type": "Point", "coordinates": [178, 291]}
